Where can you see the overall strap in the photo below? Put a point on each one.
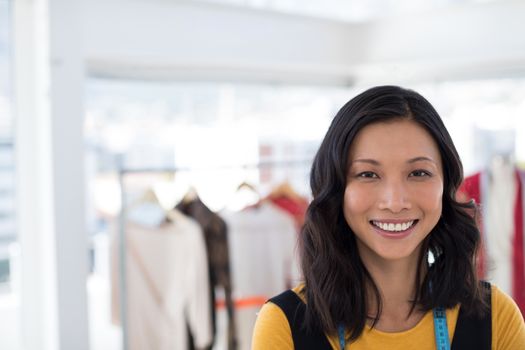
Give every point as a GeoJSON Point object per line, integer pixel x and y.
{"type": "Point", "coordinates": [294, 309]}
{"type": "Point", "coordinates": [473, 332]}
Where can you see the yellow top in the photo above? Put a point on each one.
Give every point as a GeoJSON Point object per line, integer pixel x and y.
{"type": "Point", "coordinates": [272, 330]}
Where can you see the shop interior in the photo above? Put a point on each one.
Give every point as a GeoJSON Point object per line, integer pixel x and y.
{"type": "Point", "coordinates": [155, 155]}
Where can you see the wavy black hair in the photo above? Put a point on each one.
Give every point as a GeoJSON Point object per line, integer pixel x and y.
{"type": "Point", "coordinates": [335, 277]}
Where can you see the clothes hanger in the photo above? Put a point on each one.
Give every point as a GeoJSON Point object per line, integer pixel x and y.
{"type": "Point", "coordinates": [502, 162]}
{"type": "Point", "coordinates": [246, 195]}
{"type": "Point", "coordinates": [147, 210]}
{"type": "Point", "coordinates": [285, 190]}
{"type": "Point", "coordinates": [190, 195]}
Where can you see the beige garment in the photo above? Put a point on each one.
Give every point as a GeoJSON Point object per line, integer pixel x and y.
{"type": "Point", "coordinates": [167, 285]}
{"type": "Point", "coordinates": [500, 197]}
{"type": "Point", "coordinates": [262, 243]}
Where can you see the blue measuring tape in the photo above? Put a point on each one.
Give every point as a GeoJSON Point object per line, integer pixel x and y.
{"type": "Point", "coordinates": [440, 330]}
{"type": "Point", "coordinates": [342, 340]}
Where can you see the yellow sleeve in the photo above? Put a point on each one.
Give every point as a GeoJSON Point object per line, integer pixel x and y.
{"type": "Point", "coordinates": [272, 330]}
{"type": "Point", "coordinates": [508, 328]}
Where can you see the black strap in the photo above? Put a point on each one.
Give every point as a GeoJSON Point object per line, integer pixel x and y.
{"type": "Point", "coordinates": [473, 332]}
{"type": "Point", "coordinates": [294, 309]}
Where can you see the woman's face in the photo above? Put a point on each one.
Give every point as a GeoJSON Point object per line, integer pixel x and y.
{"type": "Point", "coordinates": [394, 189]}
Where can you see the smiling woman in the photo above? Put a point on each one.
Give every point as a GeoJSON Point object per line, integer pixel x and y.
{"type": "Point", "coordinates": [384, 183]}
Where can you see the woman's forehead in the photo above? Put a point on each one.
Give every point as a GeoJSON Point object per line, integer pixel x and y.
{"type": "Point", "coordinates": [400, 138]}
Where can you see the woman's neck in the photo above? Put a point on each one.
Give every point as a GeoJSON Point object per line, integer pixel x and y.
{"type": "Point", "coordinates": [396, 281]}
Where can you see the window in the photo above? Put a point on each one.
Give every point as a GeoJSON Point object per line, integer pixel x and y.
{"type": "Point", "coordinates": [9, 299]}
{"type": "Point", "coordinates": [7, 186]}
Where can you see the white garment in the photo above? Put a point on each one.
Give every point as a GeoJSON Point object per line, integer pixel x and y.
{"type": "Point", "coordinates": [498, 215]}
{"type": "Point", "coordinates": [167, 285]}
{"type": "Point", "coordinates": [262, 242]}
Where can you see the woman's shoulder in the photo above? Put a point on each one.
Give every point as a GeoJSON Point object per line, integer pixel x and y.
{"type": "Point", "coordinates": [503, 304]}
{"type": "Point", "coordinates": [508, 328]}
{"type": "Point", "coordinates": [299, 290]}
{"type": "Point", "coordinates": [272, 330]}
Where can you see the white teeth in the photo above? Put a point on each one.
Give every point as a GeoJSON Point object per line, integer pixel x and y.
{"type": "Point", "coordinates": [393, 227]}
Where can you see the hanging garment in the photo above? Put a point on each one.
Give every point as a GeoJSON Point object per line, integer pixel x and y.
{"type": "Point", "coordinates": [296, 207]}
{"type": "Point", "coordinates": [216, 238]}
{"type": "Point", "coordinates": [500, 194]}
{"type": "Point", "coordinates": [262, 242]}
{"type": "Point", "coordinates": [285, 197]}
{"type": "Point", "coordinates": [167, 285]}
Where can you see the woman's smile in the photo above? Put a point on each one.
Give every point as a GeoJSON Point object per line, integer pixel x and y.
{"type": "Point", "coordinates": [393, 225]}
{"type": "Point", "coordinates": [394, 229]}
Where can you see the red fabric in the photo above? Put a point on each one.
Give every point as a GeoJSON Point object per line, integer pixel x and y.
{"type": "Point", "coordinates": [471, 189]}
{"type": "Point", "coordinates": [295, 207]}
{"type": "Point", "coordinates": [518, 261]}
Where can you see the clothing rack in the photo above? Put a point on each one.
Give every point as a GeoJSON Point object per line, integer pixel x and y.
{"type": "Point", "coordinates": [263, 164]}
{"type": "Point", "coordinates": [122, 172]}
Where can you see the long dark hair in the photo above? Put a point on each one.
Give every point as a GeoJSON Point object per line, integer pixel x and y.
{"type": "Point", "coordinates": [335, 277]}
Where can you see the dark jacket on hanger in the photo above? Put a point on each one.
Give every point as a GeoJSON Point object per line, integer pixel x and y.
{"type": "Point", "coordinates": [216, 237]}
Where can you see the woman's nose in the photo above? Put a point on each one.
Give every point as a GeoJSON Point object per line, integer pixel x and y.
{"type": "Point", "coordinates": [394, 197]}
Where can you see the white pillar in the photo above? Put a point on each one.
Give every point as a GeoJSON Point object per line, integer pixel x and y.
{"type": "Point", "coordinates": [49, 83]}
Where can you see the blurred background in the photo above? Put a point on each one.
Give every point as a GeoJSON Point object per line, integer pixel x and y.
{"type": "Point", "coordinates": [154, 155]}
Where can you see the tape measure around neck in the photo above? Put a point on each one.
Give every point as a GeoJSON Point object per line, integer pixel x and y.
{"type": "Point", "coordinates": [441, 329]}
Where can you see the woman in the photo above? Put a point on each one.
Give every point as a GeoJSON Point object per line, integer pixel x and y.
{"type": "Point", "coordinates": [388, 255]}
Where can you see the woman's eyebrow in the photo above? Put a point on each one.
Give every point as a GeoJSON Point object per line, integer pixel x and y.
{"type": "Point", "coordinates": [420, 159]}
{"type": "Point", "coordinates": [365, 160]}
{"type": "Point", "coordinates": [410, 161]}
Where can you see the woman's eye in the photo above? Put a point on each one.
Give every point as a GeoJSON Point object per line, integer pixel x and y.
{"type": "Point", "coordinates": [420, 173]}
{"type": "Point", "coordinates": [367, 174]}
